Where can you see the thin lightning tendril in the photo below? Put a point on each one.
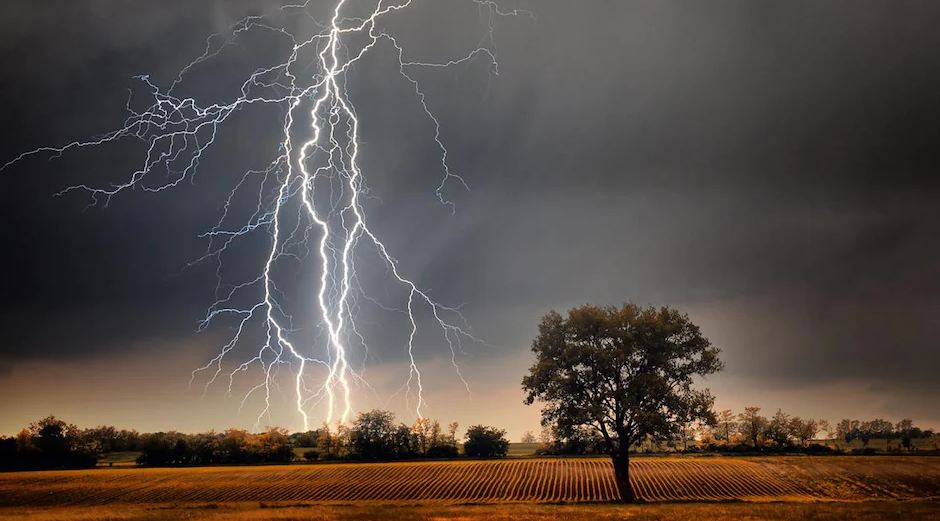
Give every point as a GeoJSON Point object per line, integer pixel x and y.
{"type": "Point", "coordinates": [323, 172]}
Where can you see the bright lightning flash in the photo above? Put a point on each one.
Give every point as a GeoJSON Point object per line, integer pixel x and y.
{"type": "Point", "coordinates": [309, 199]}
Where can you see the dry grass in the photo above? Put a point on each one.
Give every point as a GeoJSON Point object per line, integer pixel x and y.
{"type": "Point", "coordinates": [565, 480]}
{"type": "Point", "coordinates": [867, 511]}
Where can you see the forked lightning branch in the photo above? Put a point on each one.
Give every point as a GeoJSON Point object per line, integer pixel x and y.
{"type": "Point", "coordinates": [309, 197]}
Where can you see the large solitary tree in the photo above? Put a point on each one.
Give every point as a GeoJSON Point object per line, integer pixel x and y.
{"type": "Point", "coordinates": [627, 372]}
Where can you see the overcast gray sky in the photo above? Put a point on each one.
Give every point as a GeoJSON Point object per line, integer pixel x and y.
{"type": "Point", "coordinates": [768, 167]}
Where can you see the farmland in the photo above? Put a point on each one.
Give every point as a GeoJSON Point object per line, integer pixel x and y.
{"type": "Point", "coordinates": [659, 479]}
{"type": "Point", "coordinates": [867, 511]}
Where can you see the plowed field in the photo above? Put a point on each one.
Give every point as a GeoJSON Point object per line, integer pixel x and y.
{"type": "Point", "coordinates": [522, 480]}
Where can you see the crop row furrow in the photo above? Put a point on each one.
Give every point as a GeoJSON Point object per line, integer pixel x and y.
{"type": "Point", "coordinates": [541, 480]}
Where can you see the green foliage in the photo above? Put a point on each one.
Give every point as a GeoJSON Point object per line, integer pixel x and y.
{"type": "Point", "coordinates": [374, 435]}
{"type": "Point", "coordinates": [439, 451]}
{"type": "Point", "coordinates": [327, 445]}
{"type": "Point", "coordinates": [305, 439]}
{"type": "Point", "coordinates": [232, 446]}
{"type": "Point", "coordinates": [865, 431]}
{"type": "Point", "coordinates": [625, 372]}
{"type": "Point", "coordinates": [579, 441]}
{"type": "Point", "coordinates": [752, 425]}
{"type": "Point", "coordinates": [778, 429]}
{"type": "Point", "coordinates": [110, 439]}
{"type": "Point", "coordinates": [52, 443]}
{"type": "Point", "coordinates": [485, 442]}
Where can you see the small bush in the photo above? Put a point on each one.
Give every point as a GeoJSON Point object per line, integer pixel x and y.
{"type": "Point", "coordinates": [442, 451]}
{"type": "Point", "coordinates": [816, 448]}
{"type": "Point", "coordinates": [311, 455]}
{"type": "Point", "coordinates": [486, 442]}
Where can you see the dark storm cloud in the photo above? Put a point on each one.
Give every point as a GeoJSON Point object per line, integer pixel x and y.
{"type": "Point", "coordinates": [771, 164]}
{"type": "Point", "coordinates": [84, 281]}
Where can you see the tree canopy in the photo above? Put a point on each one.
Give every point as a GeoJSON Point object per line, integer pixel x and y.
{"type": "Point", "coordinates": [627, 372]}
{"type": "Point", "coordinates": [486, 442]}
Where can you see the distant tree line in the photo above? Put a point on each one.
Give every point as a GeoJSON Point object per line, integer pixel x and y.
{"type": "Point", "coordinates": [48, 443]}
{"type": "Point", "coordinates": [374, 435]}
{"type": "Point", "coordinates": [231, 446]}
{"type": "Point", "coordinates": [782, 431]}
{"type": "Point", "coordinates": [904, 431]}
{"type": "Point", "coordinates": [748, 431]}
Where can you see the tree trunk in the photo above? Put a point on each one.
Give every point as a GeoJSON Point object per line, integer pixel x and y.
{"type": "Point", "coordinates": [621, 463]}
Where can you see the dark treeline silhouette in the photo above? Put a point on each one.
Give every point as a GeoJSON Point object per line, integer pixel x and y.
{"type": "Point", "coordinates": [904, 431]}
{"type": "Point", "coordinates": [374, 435]}
{"type": "Point", "coordinates": [749, 431]}
{"type": "Point", "coordinates": [52, 443]}
{"type": "Point", "coordinates": [48, 443]}
{"type": "Point", "coordinates": [231, 446]}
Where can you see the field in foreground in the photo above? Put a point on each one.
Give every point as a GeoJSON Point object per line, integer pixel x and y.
{"type": "Point", "coordinates": [866, 511]}
{"type": "Point", "coordinates": [754, 479]}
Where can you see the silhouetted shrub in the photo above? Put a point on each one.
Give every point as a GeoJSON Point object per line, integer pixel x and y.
{"type": "Point", "coordinates": [7, 453]}
{"type": "Point", "coordinates": [485, 442]}
{"type": "Point", "coordinates": [443, 451]}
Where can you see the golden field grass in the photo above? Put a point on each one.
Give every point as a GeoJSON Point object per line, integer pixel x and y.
{"type": "Point", "coordinates": [680, 488]}
{"type": "Point", "coordinates": [864, 511]}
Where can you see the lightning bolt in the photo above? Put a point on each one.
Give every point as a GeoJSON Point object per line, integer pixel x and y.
{"type": "Point", "coordinates": [308, 200]}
